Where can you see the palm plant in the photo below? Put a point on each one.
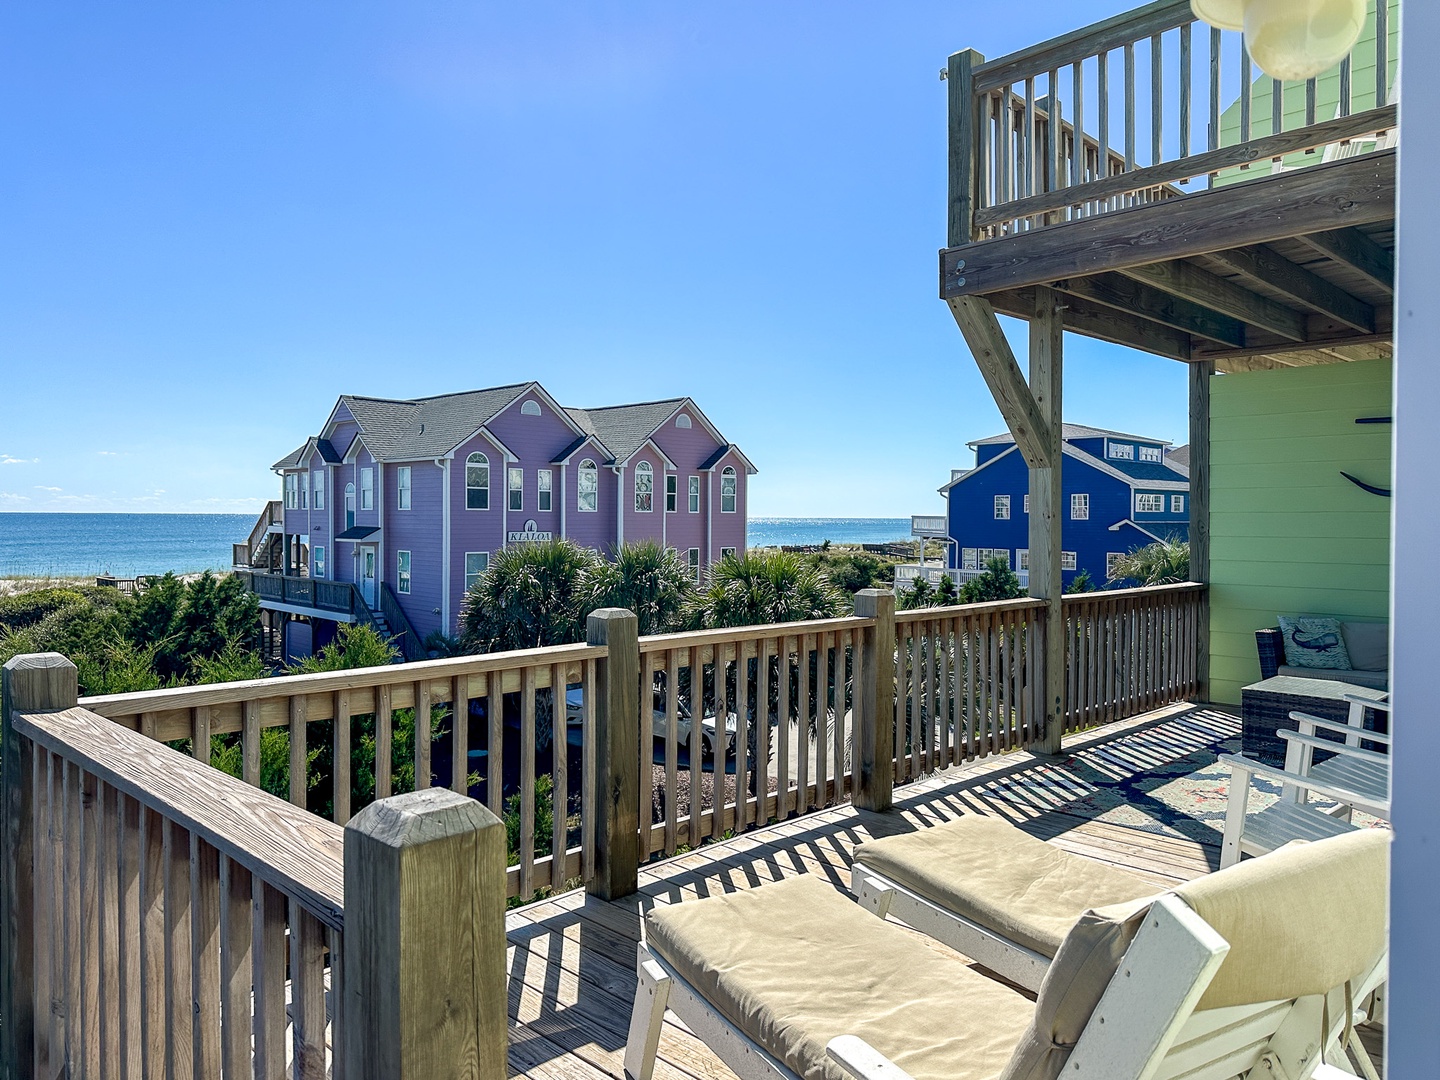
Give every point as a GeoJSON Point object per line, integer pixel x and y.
{"type": "Point", "coordinates": [1162, 563]}
{"type": "Point", "coordinates": [650, 580]}
{"type": "Point", "coordinates": [761, 587]}
{"type": "Point", "coordinates": [532, 595]}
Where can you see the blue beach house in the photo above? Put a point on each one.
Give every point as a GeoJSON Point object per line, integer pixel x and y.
{"type": "Point", "coordinates": [1120, 492]}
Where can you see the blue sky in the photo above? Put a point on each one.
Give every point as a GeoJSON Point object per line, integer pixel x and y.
{"type": "Point", "coordinates": [217, 218]}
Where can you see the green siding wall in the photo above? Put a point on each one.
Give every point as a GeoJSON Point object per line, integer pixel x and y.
{"type": "Point", "coordinates": [1289, 534]}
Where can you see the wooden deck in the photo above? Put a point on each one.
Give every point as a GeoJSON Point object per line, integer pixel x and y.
{"type": "Point", "coordinates": [572, 958]}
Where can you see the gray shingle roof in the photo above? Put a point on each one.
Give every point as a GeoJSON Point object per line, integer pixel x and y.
{"type": "Point", "coordinates": [624, 428]}
{"type": "Point", "coordinates": [1076, 431]}
{"type": "Point", "coordinates": [1180, 456]}
{"type": "Point", "coordinates": [426, 427]}
{"type": "Point", "coordinates": [292, 459]}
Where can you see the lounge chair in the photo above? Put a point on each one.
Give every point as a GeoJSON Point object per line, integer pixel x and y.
{"type": "Point", "coordinates": [1353, 767]}
{"type": "Point", "coordinates": [1255, 963]}
{"type": "Point", "coordinates": [988, 890]}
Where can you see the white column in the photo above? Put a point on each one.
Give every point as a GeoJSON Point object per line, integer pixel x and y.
{"type": "Point", "coordinates": [1414, 1000]}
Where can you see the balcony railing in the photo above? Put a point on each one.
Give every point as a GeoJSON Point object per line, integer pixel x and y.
{"type": "Point", "coordinates": [1133, 109]}
{"type": "Point", "coordinates": [598, 755]}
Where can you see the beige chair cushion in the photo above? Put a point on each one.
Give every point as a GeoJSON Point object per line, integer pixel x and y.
{"type": "Point", "coordinates": [1300, 920]}
{"type": "Point", "coordinates": [994, 874]}
{"type": "Point", "coordinates": [1086, 961]}
{"type": "Point", "coordinates": [796, 963]}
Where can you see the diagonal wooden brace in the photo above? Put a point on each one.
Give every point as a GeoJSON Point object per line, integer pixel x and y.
{"type": "Point", "coordinates": [976, 319]}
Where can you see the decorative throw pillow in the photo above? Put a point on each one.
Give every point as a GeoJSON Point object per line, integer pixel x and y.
{"type": "Point", "coordinates": [1314, 643]}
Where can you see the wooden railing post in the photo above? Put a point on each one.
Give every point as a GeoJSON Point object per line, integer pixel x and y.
{"type": "Point", "coordinates": [617, 745]}
{"type": "Point", "coordinates": [964, 145]}
{"type": "Point", "coordinates": [424, 943]}
{"type": "Point", "coordinates": [36, 683]}
{"type": "Point", "coordinates": [874, 733]}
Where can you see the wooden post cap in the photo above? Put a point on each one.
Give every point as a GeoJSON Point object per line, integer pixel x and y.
{"type": "Point", "coordinates": [421, 816]}
{"type": "Point", "coordinates": [40, 682]}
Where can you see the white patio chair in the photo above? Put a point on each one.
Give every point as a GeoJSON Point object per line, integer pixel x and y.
{"type": "Point", "coordinates": [1353, 767]}
{"type": "Point", "coordinates": [1257, 965]}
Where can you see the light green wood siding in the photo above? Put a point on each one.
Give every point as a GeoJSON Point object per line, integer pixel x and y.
{"type": "Point", "coordinates": [1289, 534]}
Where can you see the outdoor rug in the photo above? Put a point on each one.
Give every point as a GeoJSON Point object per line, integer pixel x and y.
{"type": "Point", "coordinates": [1163, 779]}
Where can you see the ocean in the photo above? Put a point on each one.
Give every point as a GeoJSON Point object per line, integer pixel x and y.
{"type": "Point", "coordinates": [65, 545]}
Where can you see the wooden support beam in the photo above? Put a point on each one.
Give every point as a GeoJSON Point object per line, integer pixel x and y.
{"type": "Point", "coordinates": [1359, 252]}
{"type": "Point", "coordinates": [977, 322]}
{"type": "Point", "coordinates": [1046, 581]}
{"type": "Point", "coordinates": [1200, 374]}
{"type": "Point", "coordinates": [1134, 298]}
{"type": "Point", "coordinates": [1190, 282]}
{"type": "Point", "coordinates": [1348, 192]}
{"type": "Point", "coordinates": [1264, 264]}
{"type": "Point", "coordinates": [1279, 348]}
{"type": "Point", "coordinates": [874, 735]}
{"type": "Point", "coordinates": [1104, 324]}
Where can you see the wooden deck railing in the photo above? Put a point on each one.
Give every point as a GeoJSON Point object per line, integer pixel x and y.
{"type": "Point", "coordinates": [1130, 651]}
{"type": "Point", "coordinates": [775, 712]}
{"type": "Point", "coordinates": [966, 684]}
{"type": "Point", "coordinates": [512, 690]}
{"type": "Point", "coordinates": [150, 872]}
{"type": "Point", "coordinates": [1127, 89]}
{"type": "Point", "coordinates": [154, 913]}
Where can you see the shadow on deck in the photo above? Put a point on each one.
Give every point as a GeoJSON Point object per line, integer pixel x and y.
{"type": "Point", "coordinates": [1118, 795]}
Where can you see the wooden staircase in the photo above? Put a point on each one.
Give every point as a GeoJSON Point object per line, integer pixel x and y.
{"type": "Point", "coordinates": [262, 551]}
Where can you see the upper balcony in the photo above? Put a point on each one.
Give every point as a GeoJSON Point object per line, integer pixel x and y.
{"type": "Point", "coordinates": [1183, 205]}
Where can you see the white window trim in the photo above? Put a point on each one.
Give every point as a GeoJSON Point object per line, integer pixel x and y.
{"type": "Point", "coordinates": [317, 560]}
{"type": "Point", "coordinates": [1080, 506]}
{"type": "Point", "coordinates": [1151, 497]}
{"type": "Point", "coordinates": [1002, 503]}
{"type": "Point", "coordinates": [587, 466]}
{"type": "Point", "coordinates": [724, 551]}
{"type": "Point", "coordinates": [511, 490]}
{"type": "Point", "coordinates": [350, 505]}
{"type": "Point", "coordinates": [1022, 559]}
{"type": "Point", "coordinates": [1152, 454]}
{"type": "Point", "coordinates": [403, 478]}
{"type": "Point", "coordinates": [404, 567]}
{"type": "Point", "coordinates": [1177, 504]}
{"type": "Point", "coordinates": [544, 490]}
{"type": "Point", "coordinates": [367, 488]}
{"type": "Point", "coordinates": [693, 494]}
{"type": "Point", "coordinates": [692, 556]}
{"type": "Point", "coordinates": [470, 463]}
{"type": "Point", "coordinates": [318, 501]}
{"type": "Point", "coordinates": [729, 473]}
{"type": "Point", "coordinates": [969, 558]}
{"type": "Point", "coordinates": [646, 469]}
{"type": "Point", "coordinates": [466, 575]}
{"type": "Point", "coordinates": [1068, 560]}
{"type": "Point", "coordinates": [1120, 451]}
{"type": "Point", "coordinates": [1027, 504]}
{"type": "Point", "coordinates": [672, 493]}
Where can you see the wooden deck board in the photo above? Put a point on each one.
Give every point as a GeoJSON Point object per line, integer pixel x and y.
{"type": "Point", "coordinates": [572, 957]}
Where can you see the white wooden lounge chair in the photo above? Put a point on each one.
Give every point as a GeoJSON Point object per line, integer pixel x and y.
{"type": "Point", "coordinates": [1250, 968]}
{"type": "Point", "coordinates": [988, 890]}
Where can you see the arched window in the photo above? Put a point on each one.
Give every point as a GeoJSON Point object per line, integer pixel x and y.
{"type": "Point", "coordinates": [728, 490]}
{"type": "Point", "coordinates": [477, 482]}
{"type": "Point", "coordinates": [587, 487]}
{"type": "Point", "coordinates": [349, 506]}
{"type": "Point", "coordinates": [644, 488]}
{"type": "Point", "coordinates": [530, 408]}
{"type": "Point", "coordinates": [682, 421]}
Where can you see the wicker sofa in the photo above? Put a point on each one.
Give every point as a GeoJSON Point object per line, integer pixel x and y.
{"type": "Point", "coordinates": [1366, 642]}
